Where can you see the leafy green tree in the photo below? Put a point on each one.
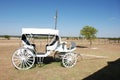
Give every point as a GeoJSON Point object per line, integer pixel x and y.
{"type": "Point", "coordinates": [89, 33]}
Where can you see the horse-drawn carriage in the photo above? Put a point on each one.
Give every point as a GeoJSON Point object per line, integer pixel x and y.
{"type": "Point", "coordinates": [24, 58]}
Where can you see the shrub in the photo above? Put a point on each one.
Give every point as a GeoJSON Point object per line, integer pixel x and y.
{"type": "Point", "coordinates": [7, 37]}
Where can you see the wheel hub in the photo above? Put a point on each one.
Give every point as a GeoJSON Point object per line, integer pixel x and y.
{"type": "Point", "coordinates": [69, 60]}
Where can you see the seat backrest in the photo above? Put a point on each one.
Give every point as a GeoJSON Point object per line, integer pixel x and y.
{"type": "Point", "coordinates": [73, 45]}
{"type": "Point", "coordinates": [55, 40]}
{"type": "Point", "coordinates": [53, 44]}
{"type": "Point", "coordinates": [24, 39]}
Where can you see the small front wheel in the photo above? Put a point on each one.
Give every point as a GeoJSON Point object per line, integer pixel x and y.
{"type": "Point", "coordinates": [69, 60]}
{"type": "Point", "coordinates": [23, 59]}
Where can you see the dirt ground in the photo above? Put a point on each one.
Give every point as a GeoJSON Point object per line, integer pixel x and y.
{"type": "Point", "coordinates": [93, 60]}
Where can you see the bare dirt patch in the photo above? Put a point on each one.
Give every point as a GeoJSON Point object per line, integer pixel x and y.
{"type": "Point", "coordinates": [86, 66]}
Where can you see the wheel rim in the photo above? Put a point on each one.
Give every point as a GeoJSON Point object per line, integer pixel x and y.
{"type": "Point", "coordinates": [69, 60]}
{"type": "Point", "coordinates": [23, 59]}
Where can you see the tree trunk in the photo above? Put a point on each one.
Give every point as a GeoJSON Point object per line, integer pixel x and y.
{"type": "Point", "coordinates": [90, 43]}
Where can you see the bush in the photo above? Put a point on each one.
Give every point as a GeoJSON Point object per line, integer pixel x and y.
{"type": "Point", "coordinates": [7, 37]}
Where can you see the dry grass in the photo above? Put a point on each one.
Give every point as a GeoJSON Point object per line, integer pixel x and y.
{"type": "Point", "coordinates": [54, 70]}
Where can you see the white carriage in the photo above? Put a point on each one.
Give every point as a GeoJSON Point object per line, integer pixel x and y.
{"type": "Point", "coordinates": [24, 58]}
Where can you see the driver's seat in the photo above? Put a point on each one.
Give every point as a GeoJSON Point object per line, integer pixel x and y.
{"type": "Point", "coordinates": [24, 39]}
{"type": "Point", "coordinates": [26, 43]}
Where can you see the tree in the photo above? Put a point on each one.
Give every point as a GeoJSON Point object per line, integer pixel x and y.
{"type": "Point", "coordinates": [89, 33]}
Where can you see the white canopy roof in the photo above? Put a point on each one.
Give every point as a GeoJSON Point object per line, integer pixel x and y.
{"type": "Point", "coordinates": [42, 31]}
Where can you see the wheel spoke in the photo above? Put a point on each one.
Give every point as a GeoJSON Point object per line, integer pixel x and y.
{"type": "Point", "coordinates": [28, 63]}
{"type": "Point", "coordinates": [20, 65]}
{"type": "Point", "coordinates": [24, 64]}
{"type": "Point", "coordinates": [30, 58]}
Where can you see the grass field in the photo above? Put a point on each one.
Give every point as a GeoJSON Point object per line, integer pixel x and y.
{"type": "Point", "coordinates": [85, 67]}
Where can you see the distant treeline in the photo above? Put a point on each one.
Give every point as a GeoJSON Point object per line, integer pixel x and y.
{"type": "Point", "coordinates": [76, 38]}
{"type": "Point", "coordinates": [46, 37]}
{"type": "Point", "coordinates": [114, 38]}
{"type": "Point", "coordinates": [10, 36]}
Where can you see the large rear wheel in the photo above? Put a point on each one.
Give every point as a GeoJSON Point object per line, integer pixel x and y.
{"type": "Point", "coordinates": [23, 59]}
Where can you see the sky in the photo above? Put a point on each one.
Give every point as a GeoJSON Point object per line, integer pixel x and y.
{"type": "Point", "coordinates": [73, 15]}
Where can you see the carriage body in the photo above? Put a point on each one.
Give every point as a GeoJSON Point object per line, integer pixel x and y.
{"type": "Point", "coordinates": [24, 57]}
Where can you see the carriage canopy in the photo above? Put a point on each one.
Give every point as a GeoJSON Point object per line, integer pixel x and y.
{"type": "Point", "coordinates": [40, 31]}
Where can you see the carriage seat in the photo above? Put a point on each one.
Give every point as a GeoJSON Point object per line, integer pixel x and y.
{"type": "Point", "coordinates": [73, 45]}
{"type": "Point", "coordinates": [26, 42]}
{"type": "Point", "coordinates": [53, 44]}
